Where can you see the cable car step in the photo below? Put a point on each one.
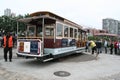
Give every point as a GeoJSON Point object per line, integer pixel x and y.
{"type": "Point", "coordinates": [79, 51]}
{"type": "Point", "coordinates": [48, 59]}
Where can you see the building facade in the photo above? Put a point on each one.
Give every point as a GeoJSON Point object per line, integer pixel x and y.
{"type": "Point", "coordinates": [100, 34]}
{"type": "Point", "coordinates": [7, 12]}
{"type": "Point", "coordinates": [119, 29]}
{"type": "Point", "coordinates": [112, 26]}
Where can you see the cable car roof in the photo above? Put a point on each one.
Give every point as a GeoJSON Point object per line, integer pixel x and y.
{"type": "Point", "coordinates": [46, 14]}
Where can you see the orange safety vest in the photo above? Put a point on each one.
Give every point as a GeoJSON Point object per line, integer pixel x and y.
{"type": "Point", "coordinates": [10, 41]}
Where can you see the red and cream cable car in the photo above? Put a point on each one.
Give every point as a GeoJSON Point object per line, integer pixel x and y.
{"type": "Point", "coordinates": [48, 36]}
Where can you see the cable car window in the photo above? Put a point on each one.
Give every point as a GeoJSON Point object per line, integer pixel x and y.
{"type": "Point", "coordinates": [83, 36]}
{"type": "Point", "coordinates": [65, 31]}
{"type": "Point", "coordinates": [71, 32]}
{"type": "Point", "coordinates": [22, 30]}
{"type": "Point", "coordinates": [75, 33]}
{"type": "Point", "coordinates": [31, 31]}
{"type": "Point", "coordinates": [39, 31]}
{"type": "Point", "coordinates": [49, 30]}
{"type": "Point", "coordinates": [79, 33]}
{"type": "Point", "coordinates": [59, 29]}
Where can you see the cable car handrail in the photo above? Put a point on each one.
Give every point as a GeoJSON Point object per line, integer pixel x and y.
{"type": "Point", "coordinates": [29, 37]}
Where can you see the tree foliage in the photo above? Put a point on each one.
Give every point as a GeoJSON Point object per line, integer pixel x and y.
{"type": "Point", "coordinates": [10, 23]}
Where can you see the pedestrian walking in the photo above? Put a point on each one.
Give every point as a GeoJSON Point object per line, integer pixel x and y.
{"type": "Point", "coordinates": [105, 45]}
{"type": "Point", "coordinates": [111, 47]}
{"type": "Point", "coordinates": [99, 46]}
{"type": "Point", "coordinates": [115, 46]}
{"type": "Point", "coordinates": [119, 48]}
{"type": "Point", "coordinates": [87, 49]}
{"type": "Point", "coordinates": [8, 44]}
{"type": "Point", "coordinates": [93, 47]}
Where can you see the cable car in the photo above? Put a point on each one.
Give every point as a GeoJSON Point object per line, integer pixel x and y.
{"type": "Point", "coordinates": [48, 36]}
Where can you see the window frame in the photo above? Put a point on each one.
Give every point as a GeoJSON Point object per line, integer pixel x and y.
{"type": "Point", "coordinates": [49, 27]}
{"type": "Point", "coordinates": [61, 29]}
{"type": "Point", "coordinates": [67, 30]}
{"type": "Point", "coordinates": [28, 30]}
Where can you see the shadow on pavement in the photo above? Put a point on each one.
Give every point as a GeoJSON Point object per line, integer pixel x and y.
{"type": "Point", "coordinates": [81, 57]}
{"type": "Point", "coordinates": [71, 58]}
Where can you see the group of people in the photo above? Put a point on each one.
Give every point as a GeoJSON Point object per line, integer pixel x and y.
{"type": "Point", "coordinates": [97, 46]}
{"type": "Point", "coordinates": [114, 46]}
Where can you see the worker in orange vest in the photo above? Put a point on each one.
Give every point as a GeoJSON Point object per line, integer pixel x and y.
{"type": "Point", "coordinates": [8, 44]}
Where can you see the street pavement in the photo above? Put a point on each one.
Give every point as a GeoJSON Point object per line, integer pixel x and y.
{"type": "Point", "coordinates": [80, 66]}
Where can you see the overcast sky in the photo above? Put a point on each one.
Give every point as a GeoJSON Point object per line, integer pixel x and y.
{"type": "Point", "coordinates": [84, 12]}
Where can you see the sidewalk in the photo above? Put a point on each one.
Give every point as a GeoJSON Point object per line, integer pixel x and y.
{"type": "Point", "coordinates": [106, 66]}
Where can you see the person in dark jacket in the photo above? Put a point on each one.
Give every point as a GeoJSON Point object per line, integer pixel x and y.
{"type": "Point", "coordinates": [8, 44]}
{"type": "Point", "coordinates": [111, 47]}
{"type": "Point", "coordinates": [119, 48]}
{"type": "Point", "coordinates": [115, 46]}
{"type": "Point", "coordinates": [87, 49]}
{"type": "Point", "coordinates": [99, 46]}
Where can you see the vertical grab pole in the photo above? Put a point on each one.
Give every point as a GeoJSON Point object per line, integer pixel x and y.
{"type": "Point", "coordinates": [54, 33]}
{"type": "Point", "coordinates": [43, 26]}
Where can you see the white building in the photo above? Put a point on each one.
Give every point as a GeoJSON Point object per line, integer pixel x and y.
{"type": "Point", "coordinates": [13, 14]}
{"type": "Point", "coordinates": [111, 25]}
{"type": "Point", "coordinates": [7, 12]}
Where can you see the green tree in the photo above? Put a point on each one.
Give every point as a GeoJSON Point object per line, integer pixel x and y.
{"type": "Point", "coordinates": [10, 23]}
